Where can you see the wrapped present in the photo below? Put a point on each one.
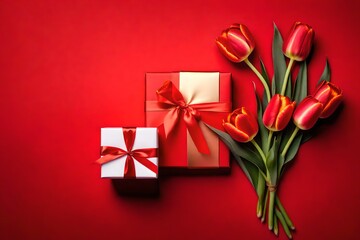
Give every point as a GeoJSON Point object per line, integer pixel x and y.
{"type": "Point", "coordinates": [130, 156]}
{"type": "Point", "coordinates": [180, 105]}
{"type": "Point", "coordinates": [129, 153]}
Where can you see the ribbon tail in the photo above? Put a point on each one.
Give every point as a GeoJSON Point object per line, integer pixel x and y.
{"type": "Point", "coordinates": [129, 169]}
{"type": "Point", "coordinates": [147, 163]}
{"type": "Point", "coordinates": [170, 120]}
{"type": "Point", "coordinates": [197, 135]}
{"type": "Point", "coordinates": [107, 158]}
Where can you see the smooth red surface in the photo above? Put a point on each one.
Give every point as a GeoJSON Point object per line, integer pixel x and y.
{"type": "Point", "coordinates": [69, 68]}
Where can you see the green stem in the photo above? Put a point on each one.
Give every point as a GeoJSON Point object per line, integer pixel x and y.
{"type": "Point", "coordinates": [276, 227]}
{"type": "Point", "coordinates": [271, 210]}
{"type": "Point", "coordinates": [269, 140]}
{"type": "Point", "coordinates": [285, 226]}
{"type": "Point", "coordinates": [262, 79]}
{"type": "Point", "coordinates": [284, 214]}
{"type": "Point", "coordinates": [287, 73]}
{"type": "Point", "coordinates": [265, 204]}
{"type": "Point", "coordinates": [259, 150]}
{"type": "Point", "coordinates": [260, 189]}
{"type": "Point", "coordinates": [259, 208]}
{"type": "Point", "coordinates": [291, 139]}
{"type": "Point", "coordinates": [263, 158]}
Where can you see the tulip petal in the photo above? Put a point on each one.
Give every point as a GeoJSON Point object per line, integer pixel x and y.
{"type": "Point", "coordinates": [307, 113]}
{"type": "Point", "coordinates": [252, 119]}
{"type": "Point", "coordinates": [235, 25]}
{"type": "Point", "coordinates": [247, 34]}
{"type": "Point", "coordinates": [334, 89]}
{"type": "Point", "coordinates": [284, 116]}
{"type": "Point", "coordinates": [244, 123]}
{"type": "Point", "coordinates": [298, 45]}
{"type": "Point", "coordinates": [330, 96]}
{"type": "Point", "coordinates": [239, 43]}
{"type": "Point", "coordinates": [271, 111]}
{"type": "Point", "coordinates": [306, 45]}
{"type": "Point", "coordinates": [232, 116]}
{"type": "Point", "coordinates": [331, 106]}
{"type": "Point", "coordinates": [323, 93]}
{"type": "Point", "coordinates": [235, 133]}
{"type": "Point", "coordinates": [226, 49]}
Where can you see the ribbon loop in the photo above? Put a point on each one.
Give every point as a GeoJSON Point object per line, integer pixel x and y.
{"type": "Point", "coordinates": [168, 93]}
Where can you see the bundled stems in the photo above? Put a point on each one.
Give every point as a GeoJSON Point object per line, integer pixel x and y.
{"type": "Point", "coordinates": [285, 226]}
{"type": "Point", "coordinates": [276, 227]}
{"type": "Point", "coordinates": [284, 214]}
{"type": "Point", "coordinates": [265, 205]}
{"type": "Point", "coordinates": [276, 211]}
{"type": "Point", "coordinates": [260, 191]}
{"type": "Point", "coordinates": [258, 74]}
{"type": "Point", "coordinates": [271, 209]}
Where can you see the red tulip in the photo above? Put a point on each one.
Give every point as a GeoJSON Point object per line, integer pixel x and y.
{"type": "Point", "coordinates": [298, 45]}
{"type": "Point", "coordinates": [330, 96]}
{"type": "Point", "coordinates": [278, 112]}
{"type": "Point", "coordinates": [307, 113]}
{"type": "Point", "coordinates": [236, 42]}
{"type": "Point", "coordinates": [241, 125]}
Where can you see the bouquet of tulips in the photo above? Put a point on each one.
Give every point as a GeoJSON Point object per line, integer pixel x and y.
{"type": "Point", "coordinates": [264, 144]}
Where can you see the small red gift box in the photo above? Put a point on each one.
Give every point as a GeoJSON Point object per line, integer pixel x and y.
{"type": "Point", "coordinates": [180, 104]}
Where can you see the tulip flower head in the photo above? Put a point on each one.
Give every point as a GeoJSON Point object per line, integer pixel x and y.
{"type": "Point", "coordinates": [298, 45]}
{"type": "Point", "coordinates": [236, 43]}
{"type": "Point", "coordinates": [241, 125]}
{"type": "Point", "coordinates": [307, 113]}
{"type": "Point", "coordinates": [330, 96]}
{"type": "Point", "coordinates": [278, 112]}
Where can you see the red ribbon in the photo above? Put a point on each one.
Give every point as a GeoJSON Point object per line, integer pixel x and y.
{"type": "Point", "coordinates": [140, 155]}
{"type": "Point", "coordinates": [169, 97]}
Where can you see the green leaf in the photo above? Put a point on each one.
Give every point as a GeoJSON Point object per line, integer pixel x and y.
{"type": "Point", "coordinates": [307, 135]}
{"type": "Point", "coordinates": [278, 61]}
{"type": "Point", "coordinates": [246, 153]}
{"type": "Point", "coordinates": [272, 161]}
{"type": "Point", "coordinates": [281, 164]}
{"type": "Point", "coordinates": [294, 147]}
{"type": "Point", "coordinates": [273, 87]}
{"type": "Point", "coordinates": [300, 91]}
{"type": "Point", "coordinates": [325, 76]}
{"type": "Point", "coordinates": [266, 77]}
{"type": "Point", "coordinates": [250, 170]}
{"type": "Point", "coordinates": [260, 187]}
{"type": "Point", "coordinates": [264, 72]}
{"type": "Point", "coordinates": [285, 135]}
{"type": "Point", "coordinates": [263, 132]}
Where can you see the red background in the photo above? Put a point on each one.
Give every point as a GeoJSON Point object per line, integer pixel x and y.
{"type": "Point", "coordinates": [69, 68]}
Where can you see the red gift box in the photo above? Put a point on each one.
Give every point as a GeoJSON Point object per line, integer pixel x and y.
{"type": "Point", "coordinates": [196, 98]}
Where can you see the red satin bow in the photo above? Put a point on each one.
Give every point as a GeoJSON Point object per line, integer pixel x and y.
{"type": "Point", "coordinates": [169, 97]}
{"type": "Point", "coordinates": [141, 155]}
